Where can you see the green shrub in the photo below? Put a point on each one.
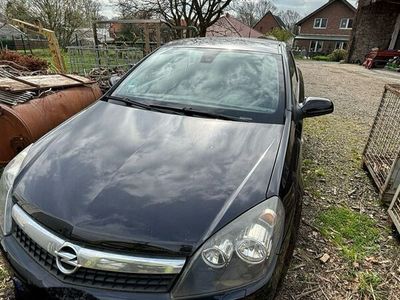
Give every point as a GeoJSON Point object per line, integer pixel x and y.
{"type": "Point", "coordinates": [338, 55]}
{"type": "Point", "coordinates": [281, 35]}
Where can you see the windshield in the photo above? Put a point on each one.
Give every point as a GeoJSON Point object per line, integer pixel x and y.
{"type": "Point", "coordinates": [244, 84]}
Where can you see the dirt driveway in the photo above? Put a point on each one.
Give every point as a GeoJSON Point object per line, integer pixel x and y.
{"type": "Point", "coordinates": [346, 248]}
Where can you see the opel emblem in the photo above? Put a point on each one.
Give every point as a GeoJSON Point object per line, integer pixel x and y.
{"type": "Point", "coordinates": [67, 259]}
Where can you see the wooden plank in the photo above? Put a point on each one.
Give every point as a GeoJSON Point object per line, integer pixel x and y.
{"type": "Point", "coordinates": [41, 82]}
{"type": "Point", "coordinates": [146, 39]}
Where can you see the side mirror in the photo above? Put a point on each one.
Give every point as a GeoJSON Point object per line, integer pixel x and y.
{"type": "Point", "coordinates": [114, 79]}
{"type": "Point", "coordinates": [313, 107]}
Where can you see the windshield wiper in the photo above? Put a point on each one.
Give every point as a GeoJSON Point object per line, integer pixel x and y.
{"type": "Point", "coordinates": [142, 105]}
{"type": "Point", "coordinates": [178, 110]}
{"type": "Point", "coordinates": [130, 102]}
{"type": "Point", "coordinates": [194, 112]}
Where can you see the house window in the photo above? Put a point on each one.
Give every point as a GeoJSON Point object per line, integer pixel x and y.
{"type": "Point", "coordinates": [341, 45]}
{"type": "Point", "coordinates": [346, 23]}
{"type": "Point", "coordinates": [320, 22]}
{"type": "Point", "coordinates": [316, 46]}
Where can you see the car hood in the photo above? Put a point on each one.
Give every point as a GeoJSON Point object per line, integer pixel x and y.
{"type": "Point", "coordinates": [117, 175]}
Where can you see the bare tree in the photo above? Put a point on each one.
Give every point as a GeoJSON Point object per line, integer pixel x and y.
{"type": "Point", "coordinates": [290, 18]}
{"type": "Point", "coordinates": [251, 11]}
{"type": "Point", "coordinates": [208, 12]}
{"type": "Point", "coordinates": [134, 9]}
{"type": "Point", "coordinates": [196, 13]}
{"type": "Point", "coordinates": [62, 16]}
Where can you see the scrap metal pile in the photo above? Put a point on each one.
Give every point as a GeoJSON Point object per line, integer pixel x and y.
{"type": "Point", "coordinates": [103, 75]}
{"type": "Point", "coordinates": [32, 104]}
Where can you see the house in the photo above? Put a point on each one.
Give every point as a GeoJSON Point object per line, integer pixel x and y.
{"type": "Point", "coordinates": [229, 26]}
{"type": "Point", "coordinates": [376, 25]}
{"type": "Point", "coordinates": [85, 36]}
{"type": "Point", "coordinates": [269, 22]}
{"type": "Point", "coordinates": [327, 28]}
{"type": "Point", "coordinates": [9, 32]}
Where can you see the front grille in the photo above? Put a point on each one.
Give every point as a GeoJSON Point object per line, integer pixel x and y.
{"type": "Point", "coordinates": [151, 283]}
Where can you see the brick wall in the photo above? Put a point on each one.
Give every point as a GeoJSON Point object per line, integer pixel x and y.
{"type": "Point", "coordinates": [334, 12]}
{"type": "Point", "coordinates": [266, 24]}
{"type": "Point", "coordinates": [373, 27]}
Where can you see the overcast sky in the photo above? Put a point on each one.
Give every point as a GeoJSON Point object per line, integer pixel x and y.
{"type": "Point", "coordinates": [303, 7]}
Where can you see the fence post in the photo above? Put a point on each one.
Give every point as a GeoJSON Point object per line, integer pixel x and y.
{"type": "Point", "coordinates": [29, 44]}
{"type": "Point", "coordinates": [146, 39]}
{"type": "Point", "coordinates": [15, 43]}
{"type": "Point", "coordinates": [23, 42]}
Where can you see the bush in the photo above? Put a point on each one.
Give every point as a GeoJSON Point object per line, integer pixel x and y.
{"type": "Point", "coordinates": [30, 62]}
{"type": "Point", "coordinates": [338, 55]}
{"type": "Point", "coordinates": [281, 35]}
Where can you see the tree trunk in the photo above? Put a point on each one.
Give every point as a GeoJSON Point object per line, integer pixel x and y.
{"type": "Point", "coordinates": [202, 30]}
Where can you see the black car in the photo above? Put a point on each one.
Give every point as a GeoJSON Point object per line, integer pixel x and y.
{"type": "Point", "coordinates": [183, 181]}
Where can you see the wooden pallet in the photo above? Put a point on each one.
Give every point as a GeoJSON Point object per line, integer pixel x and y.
{"type": "Point", "coordinates": [41, 82]}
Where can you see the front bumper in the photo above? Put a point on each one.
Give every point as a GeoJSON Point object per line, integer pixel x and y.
{"type": "Point", "coordinates": [35, 282]}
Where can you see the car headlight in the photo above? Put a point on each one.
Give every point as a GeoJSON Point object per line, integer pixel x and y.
{"type": "Point", "coordinates": [10, 172]}
{"type": "Point", "coordinates": [242, 252]}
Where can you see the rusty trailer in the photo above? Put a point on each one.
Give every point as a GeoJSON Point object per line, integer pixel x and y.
{"type": "Point", "coordinates": [26, 114]}
{"type": "Point", "coordinates": [382, 153]}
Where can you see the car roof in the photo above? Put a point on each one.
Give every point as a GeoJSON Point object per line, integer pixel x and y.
{"type": "Point", "coordinates": [249, 44]}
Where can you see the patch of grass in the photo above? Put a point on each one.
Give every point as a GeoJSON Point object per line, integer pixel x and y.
{"type": "Point", "coordinates": [368, 283]}
{"type": "Point", "coordinates": [312, 172]}
{"type": "Point", "coordinates": [356, 156]}
{"type": "Point", "coordinates": [356, 234]}
{"type": "Point", "coordinates": [334, 129]}
{"type": "Point", "coordinates": [321, 58]}
{"type": "Point", "coordinates": [3, 273]}
{"type": "Point", "coordinates": [46, 54]}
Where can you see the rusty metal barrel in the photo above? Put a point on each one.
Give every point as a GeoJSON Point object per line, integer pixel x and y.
{"type": "Point", "coordinates": [23, 124]}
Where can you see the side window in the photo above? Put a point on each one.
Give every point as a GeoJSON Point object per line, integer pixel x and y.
{"type": "Point", "coordinates": [293, 74]}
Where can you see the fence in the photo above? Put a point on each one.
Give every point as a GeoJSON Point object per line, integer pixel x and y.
{"type": "Point", "coordinates": [382, 153]}
{"type": "Point", "coordinates": [394, 209]}
{"type": "Point", "coordinates": [83, 60]}
{"type": "Point", "coordinates": [100, 62]}
{"type": "Point", "coordinates": [22, 43]}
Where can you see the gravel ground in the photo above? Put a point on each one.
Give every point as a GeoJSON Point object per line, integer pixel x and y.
{"type": "Point", "coordinates": [320, 268]}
